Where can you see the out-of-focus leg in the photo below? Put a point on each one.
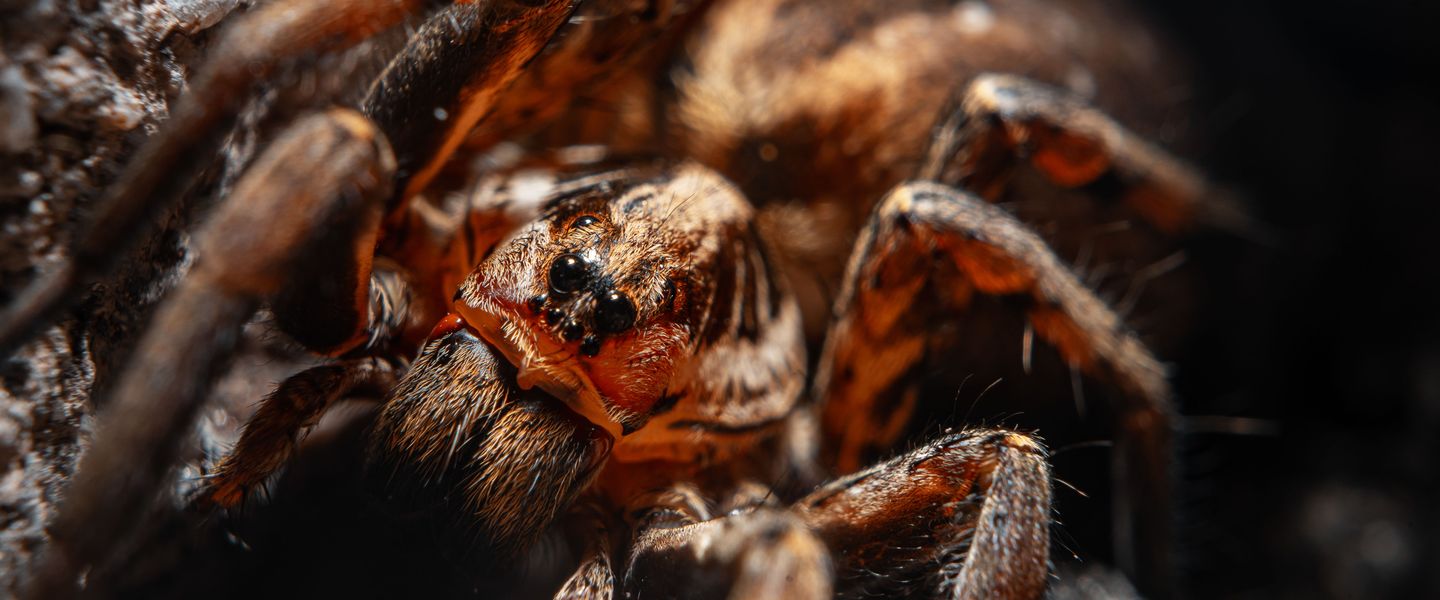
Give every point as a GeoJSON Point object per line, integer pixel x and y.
{"type": "Point", "coordinates": [270, 437]}
{"type": "Point", "coordinates": [929, 254]}
{"type": "Point", "coordinates": [162, 170]}
{"type": "Point", "coordinates": [680, 551]}
{"type": "Point", "coordinates": [1004, 120]}
{"type": "Point", "coordinates": [258, 236]}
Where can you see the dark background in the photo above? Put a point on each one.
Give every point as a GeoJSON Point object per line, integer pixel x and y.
{"type": "Point", "coordinates": [1324, 114]}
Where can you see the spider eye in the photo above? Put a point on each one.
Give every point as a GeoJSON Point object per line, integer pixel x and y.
{"type": "Point", "coordinates": [585, 221]}
{"type": "Point", "coordinates": [571, 330]}
{"type": "Point", "coordinates": [568, 274]}
{"type": "Point", "coordinates": [614, 312]}
{"type": "Point", "coordinates": [590, 346]}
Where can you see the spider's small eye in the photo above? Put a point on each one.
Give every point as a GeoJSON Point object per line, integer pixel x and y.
{"type": "Point", "coordinates": [585, 221]}
{"type": "Point", "coordinates": [614, 312]}
{"type": "Point", "coordinates": [537, 303]}
{"type": "Point", "coordinates": [590, 346]}
{"type": "Point", "coordinates": [568, 274]}
{"type": "Point", "coordinates": [571, 330]}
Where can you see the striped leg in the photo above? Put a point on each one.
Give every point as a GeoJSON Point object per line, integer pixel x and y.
{"type": "Point", "coordinates": [930, 255]}
{"type": "Point", "coordinates": [244, 253]}
{"type": "Point", "coordinates": [1005, 120]}
{"type": "Point", "coordinates": [681, 551]}
{"type": "Point", "coordinates": [160, 173]}
{"type": "Point", "coordinates": [965, 516]}
{"type": "Point", "coordinates": [270, 437]}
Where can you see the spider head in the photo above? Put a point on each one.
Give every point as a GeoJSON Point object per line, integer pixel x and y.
{"type": "Point", "coordinates": [602, 300]}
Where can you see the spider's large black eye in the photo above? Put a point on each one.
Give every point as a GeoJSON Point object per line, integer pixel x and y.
{"type": "Point", "coordinates": [585, 221]}
{"type": "Point", "coordinates": [614, 312]}
{"type": "Point", "coordinates": [568, 274]}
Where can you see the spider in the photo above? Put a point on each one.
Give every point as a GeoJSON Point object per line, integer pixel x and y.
{"type": "Point", "coordinates": [748, 268]}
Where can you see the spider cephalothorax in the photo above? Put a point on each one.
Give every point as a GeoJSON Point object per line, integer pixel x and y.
{"type": "Point", "coordinates": [628, 341]}
{"type": "Point", "coordinates": [610, 303]}
{"type": "Point", "coordinates": [620, 301]}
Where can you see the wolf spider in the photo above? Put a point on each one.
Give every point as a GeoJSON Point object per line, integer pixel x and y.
{"type": "Point", "coordinates": [622, 340]}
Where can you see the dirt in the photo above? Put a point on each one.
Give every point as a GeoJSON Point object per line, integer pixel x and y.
{"type": "Point", "coordinates": [81, 83]}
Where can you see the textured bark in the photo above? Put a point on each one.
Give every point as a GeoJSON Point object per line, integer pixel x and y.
{"type": "Point", "coordinates": [81, 84]}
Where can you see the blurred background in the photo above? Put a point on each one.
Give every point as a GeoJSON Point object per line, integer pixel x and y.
{"type": "Point", "coordinates": [1326, 115]}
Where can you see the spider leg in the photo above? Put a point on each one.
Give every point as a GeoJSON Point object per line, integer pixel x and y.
{"type": "Point", "coordinates": [270, 437]}
{"type": "Point", "coordinates": [259, 234]}
{"type": "Point", "coordinates": [679, 550]}
{"type": "Point", "coordinates": [976, 503]}
{"type": "Point", "coordinates": [160, 172]}
{"type": "Point", "coordinates": [1003, 120]}
{"type": "Point", "coordinates": [458, 62]}
{"type": "Point", "coordinates": [449, 77]}
{"type": "Point", "coordinates": [341, 300]}
{"type": "Point", "coordinates": [932, 253]}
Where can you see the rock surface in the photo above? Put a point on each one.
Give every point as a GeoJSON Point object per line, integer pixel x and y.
{"type": "Point", "coordinates": [81, 84]}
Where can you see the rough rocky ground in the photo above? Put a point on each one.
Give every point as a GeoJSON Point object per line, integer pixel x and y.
{"type": "Point", "coordinates": [81, 83]}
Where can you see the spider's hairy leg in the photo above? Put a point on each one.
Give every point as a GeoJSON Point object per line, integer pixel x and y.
{"type": "Point", "coordinates": [1003, 120]}
{"type": "Point", "coordinates": [975, 503]}
{"type": "Point", "coordinates": [450, 75]}
{"type": "Point", "coordinates": [680, 549]}
{"type": "Point", "coordinates": [270, 437]}
{"type": "Point", "coordinates": [930, 255]}
{"type": "Point", "coordinates": [263, 231]}
{"type": "Point", "coordinates": [486, 43]}
{"type": "Point", "coordinates": [457, 64]}
{"type": "Point", "coordinates": [161, 171]}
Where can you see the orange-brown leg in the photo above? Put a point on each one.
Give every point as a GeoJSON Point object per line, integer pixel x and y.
{"type": "Point", "coordinates": [449, 76]}
{"type": "Point", "coordinates": [930, 255]}
{"type": "Point", "coordinates": [259, 235]}
{"type": "Point", "coordinates": [162, 170]}
{"type": "Point", "coordinates": [680, 549]}
{"type": "Point", "coordinates": [311, 205]}
{"type": "Point", "coordinates": [964, 516]}
{"type": "Point", "coordinates": [1004, 120]}
{"type": "Point", "coordinates": [270, 436]}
